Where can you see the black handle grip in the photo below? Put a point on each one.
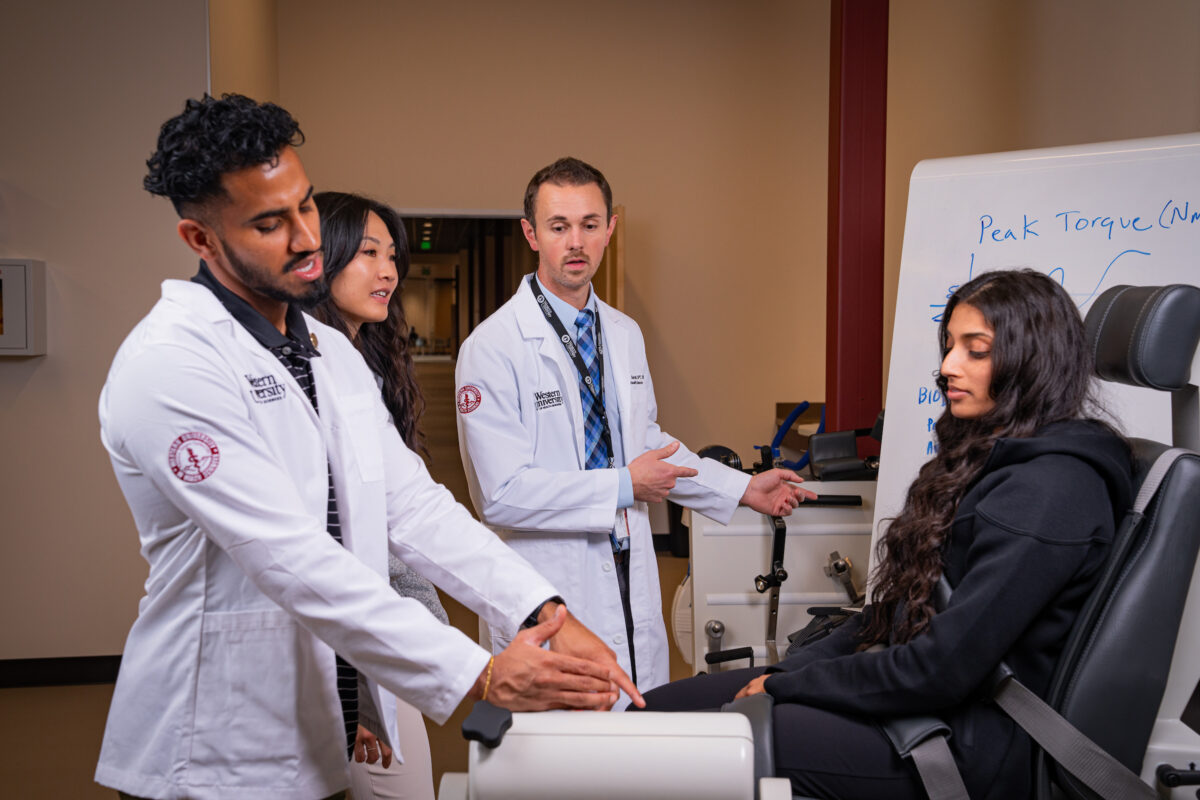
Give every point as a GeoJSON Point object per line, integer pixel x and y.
{"type": "Point", "coordinates": [833, 500]}
{"type": "Point", "coordinates": [721, 656]}
{"type": "Point", "coordinates": [486, 724]}
{"type": "Point", "coordinates": [1171, 776]}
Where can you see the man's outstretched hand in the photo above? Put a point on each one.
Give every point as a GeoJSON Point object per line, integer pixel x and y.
{"type": "Point", "coordinates": [578, 672]}
{"type": "Point", "coordinates": [772, 492]}
{"type": "Point", "coordinates": [576, 639]}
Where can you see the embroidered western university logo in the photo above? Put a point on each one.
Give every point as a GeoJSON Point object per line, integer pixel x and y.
{"type": "Point", "coordinates": [550, 399]}
{"type": "Point", "coordinates": [266, 389]}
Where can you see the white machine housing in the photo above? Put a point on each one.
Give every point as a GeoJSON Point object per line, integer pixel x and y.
{"type": "Point", "coordinates": [601, 756]}
{"type": "Point", "coordinates": [726, 559]}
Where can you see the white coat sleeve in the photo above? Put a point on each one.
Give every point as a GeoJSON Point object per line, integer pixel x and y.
{"type": "Point", "coordinates": [250, 507]}
{"type": "Point", "coordinates": [497, 441]}
{"type": "Point", "coordinates": [717, 490]}
{"type": "Point", "coordinates": [432, 533]}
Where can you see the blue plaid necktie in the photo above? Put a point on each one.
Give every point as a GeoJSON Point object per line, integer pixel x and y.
{"type": "Point", "coordinates": [597, 453]}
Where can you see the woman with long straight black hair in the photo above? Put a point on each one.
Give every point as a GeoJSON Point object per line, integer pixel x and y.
{"type": "Point", "coordinates": [366, 260]}
{"type": "Point", "coordinates": [1016, 510]}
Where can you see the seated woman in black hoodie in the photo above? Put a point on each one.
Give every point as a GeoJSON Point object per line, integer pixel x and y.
{"type": "Point", "coordinates": [1017, 509]}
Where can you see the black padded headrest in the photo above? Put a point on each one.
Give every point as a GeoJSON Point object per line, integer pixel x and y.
{"type": "Point", "coordinates": [1145, 335]}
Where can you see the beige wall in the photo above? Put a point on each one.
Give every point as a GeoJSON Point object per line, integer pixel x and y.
{"type": "Point", "coordinates": [708, 118]}
{"type": "Point", "coordinates": [983, 77]}
{"type": "Point", "coordinates": [85, 87]}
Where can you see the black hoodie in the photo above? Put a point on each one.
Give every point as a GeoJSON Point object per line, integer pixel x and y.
{"type": "Point", "coordinates": [1026, 545]}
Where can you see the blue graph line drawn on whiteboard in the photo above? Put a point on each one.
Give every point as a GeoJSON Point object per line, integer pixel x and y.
{"type": "Point", "coordinates": [1058, 273]}
{"type": "Point", "coordinates": [1103, 275]}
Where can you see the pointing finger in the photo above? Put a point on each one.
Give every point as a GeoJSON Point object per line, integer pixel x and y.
{"type": "Point", "coordinates": [622, 680]}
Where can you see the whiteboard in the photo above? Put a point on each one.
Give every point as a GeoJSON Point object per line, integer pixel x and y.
{"type": "Point", "coordinates": [1090, 216]}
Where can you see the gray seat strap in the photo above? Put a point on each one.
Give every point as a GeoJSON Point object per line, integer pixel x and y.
{"type": "Point", "coordinates": [1154, 477]}
{"type": "Point", "coordinates": [1074, 752]}
{"type": "Point", "coordinates": [939, 773]}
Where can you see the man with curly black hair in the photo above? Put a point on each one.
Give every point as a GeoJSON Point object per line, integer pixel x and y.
{"type": "Point", "coordinates": [268, 487]}
{"type": "Point", "coordinates": [202, 155]}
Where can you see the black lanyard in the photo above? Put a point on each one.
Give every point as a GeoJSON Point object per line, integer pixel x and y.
{"type": "Point", "coordinates": [573, 352]}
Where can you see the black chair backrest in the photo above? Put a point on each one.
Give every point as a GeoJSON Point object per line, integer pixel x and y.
{"type": "Point", "coordinates": [1110, 680]}
{"type": "Point", "coordinates": [1145, 335]}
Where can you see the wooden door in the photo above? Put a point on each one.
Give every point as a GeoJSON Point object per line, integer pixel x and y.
{"type": "Point", "coordinates": [609, 281]}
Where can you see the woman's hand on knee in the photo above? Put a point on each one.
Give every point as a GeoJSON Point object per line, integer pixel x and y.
{"type": "Point", "coordinates": [753, 687]}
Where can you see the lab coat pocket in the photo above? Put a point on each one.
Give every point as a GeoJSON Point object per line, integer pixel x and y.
{"type": "Point", "coordinates": [360, 424]}
{"type": "Point", "coordinates": [247, 674]}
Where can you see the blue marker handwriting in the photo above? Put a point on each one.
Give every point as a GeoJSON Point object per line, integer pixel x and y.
{"type": "Point", "coordinates": [1082, 298]}
{"type": "Point", "coordinates": [1170, 215]}
{"type": "Point", "coordinates": [989, 230]}
{"type": "Point", "coordinates": [992, 229]}
{"type": "Point", "coordinates": [1074, 221]}
{"type": "Point", "coordinates": [930, 396]}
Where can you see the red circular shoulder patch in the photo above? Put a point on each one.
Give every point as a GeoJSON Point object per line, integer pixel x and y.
{"type": "Point", "coordinates": [469, 398]}
{"type": "Point", "coordinates": [193, 457]}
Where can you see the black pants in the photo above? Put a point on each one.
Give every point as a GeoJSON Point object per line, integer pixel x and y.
{"type": "Point", "coordinates": [824, 754]}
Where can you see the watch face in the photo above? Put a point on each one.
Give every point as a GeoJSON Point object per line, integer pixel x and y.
{"type": "Point", "coordinates": [532, 619]}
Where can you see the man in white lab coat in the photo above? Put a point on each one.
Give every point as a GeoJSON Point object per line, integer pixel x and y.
{"type": "Point", "coordinates": [558, 432]}
{"type": "Point", "coordinates": [268, 487]}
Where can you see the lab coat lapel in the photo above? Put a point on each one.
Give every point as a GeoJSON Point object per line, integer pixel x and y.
{"type": "Point", "coordinates": [616, 359]}
{"type": "Point", "coordinates": [534, 325]}
{"type": "Point", "coordinates": [199, 299]}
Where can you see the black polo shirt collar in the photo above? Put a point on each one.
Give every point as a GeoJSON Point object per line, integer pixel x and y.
{"type": "Point", "coordinates": [255, 323]}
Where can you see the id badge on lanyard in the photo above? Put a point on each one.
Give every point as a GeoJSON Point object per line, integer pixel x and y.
{"type": "Point", "coordinates": [573, 353]}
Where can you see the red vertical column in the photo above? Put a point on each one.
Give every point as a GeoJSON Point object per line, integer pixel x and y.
{"type": "Point", "coordinates": [854, 292]}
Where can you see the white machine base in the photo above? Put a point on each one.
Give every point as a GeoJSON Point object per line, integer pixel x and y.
{"type": "Point", "coordinates": [602, 756]}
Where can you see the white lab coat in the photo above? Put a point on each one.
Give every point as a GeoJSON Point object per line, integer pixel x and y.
{"type": "Point", "coordinates": [227, 683]}
{"type": "Point", "coordinates": [523, 450]}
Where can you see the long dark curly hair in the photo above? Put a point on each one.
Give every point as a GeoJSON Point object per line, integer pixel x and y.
{"type": "Point", "coordinates": [384, 345]}
{"type": "Point", "coordinates": [210, 138]}
{"type": "Point", "coordinates": [1041, 373]}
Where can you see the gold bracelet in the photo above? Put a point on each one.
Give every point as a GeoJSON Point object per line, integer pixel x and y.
{"type": "Point", "coordinates": [487, 683]}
